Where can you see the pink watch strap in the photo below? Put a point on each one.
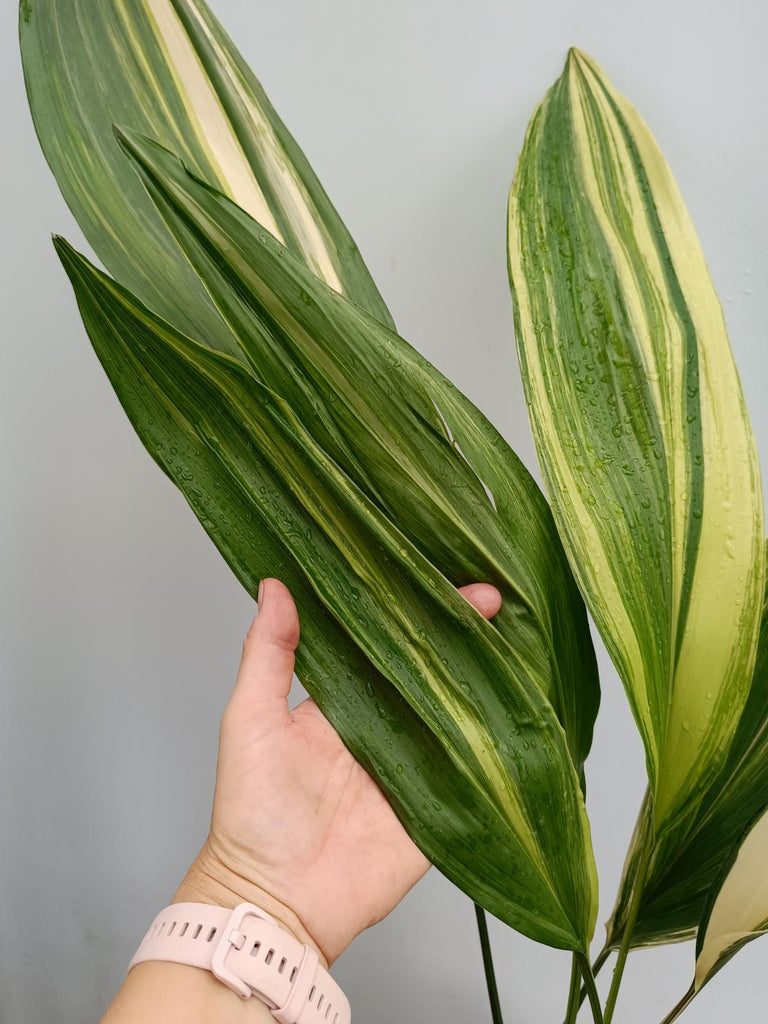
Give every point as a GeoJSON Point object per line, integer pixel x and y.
{"type": "Point", "coordinates": [249, 951]}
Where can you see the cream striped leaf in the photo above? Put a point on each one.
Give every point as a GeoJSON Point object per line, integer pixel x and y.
{"type": "Point", "coordinates": [639, 422]}
{"type": "Point", "coordinates": [689, 858]}
{"type": "Point", "coordinates": [166, 67]}
{"type": "Point", "coordinates": [736, 911]}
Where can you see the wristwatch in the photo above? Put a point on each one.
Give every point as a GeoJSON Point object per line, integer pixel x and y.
{"type": "Point", "coordinates": [249, 951]}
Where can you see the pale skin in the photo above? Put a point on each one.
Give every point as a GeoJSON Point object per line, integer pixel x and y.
{"type": "Point", "coordinates": [298, 828]}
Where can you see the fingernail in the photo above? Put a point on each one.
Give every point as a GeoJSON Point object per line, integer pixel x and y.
{"type": "Point", "coordinates": [260, 593]}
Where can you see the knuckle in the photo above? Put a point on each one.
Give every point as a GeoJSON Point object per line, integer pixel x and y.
{"type": "Point", "coordinates": [250, 636]}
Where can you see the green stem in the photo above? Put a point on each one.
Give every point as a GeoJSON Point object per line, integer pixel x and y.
{"type": "Point", "coordinates": [599, 962]}
{"type": "Point", "coordinates": [574, 1003]}
{"type": "Point", "coordinates": [597, 965]}
{"type": "Point", "coordinates": [674, 1014]}
{"type": "Point", "coordinates": [490, 975]}
{"type": "Point", "coordinates": [589, 983]}
{"type": "Point", "coordinates": [626, 940]}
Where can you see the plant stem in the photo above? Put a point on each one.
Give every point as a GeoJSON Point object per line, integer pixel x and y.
{"type": "Point", "coordinates": [674, 1014]}
{"type": "Point", "coordinates": [597, 965]}
{"type": "Point", "coordinates": [599, 962]}
{"type": "Point", "coordinates": [626, 939]}
{"type": "Point", "coordinates": [589, 983]}
{"type": "Point", "coordinates": [490, 976]}
{"type": "Point", "coordinates": [574, 1002]}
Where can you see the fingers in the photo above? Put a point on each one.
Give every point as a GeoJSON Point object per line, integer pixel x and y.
{"type": "Point", "coordinates": [483, 596]}
{"type": "Point", "coordinates": [266, 668]}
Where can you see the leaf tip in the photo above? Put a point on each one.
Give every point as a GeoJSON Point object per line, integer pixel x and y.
{"type": "Point", "coordinates": [577, 60]}
{"type": "Point", "coordinates": [74, 263]}
{"type": "Point", "coordinates": [128, 140]}
{"type": "Point", "coordinates": [63, 249]}
{"type": "Point", "coordinates": [148, 156]}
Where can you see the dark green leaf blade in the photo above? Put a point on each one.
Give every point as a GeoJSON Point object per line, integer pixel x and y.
{"type": "Point", "coordinates": [407, 436]}
{"type": "Point", "coordinates": [431, 686]}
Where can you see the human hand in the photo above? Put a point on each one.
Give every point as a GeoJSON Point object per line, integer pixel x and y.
{"type": "Point", "coordinates": [298, 827]}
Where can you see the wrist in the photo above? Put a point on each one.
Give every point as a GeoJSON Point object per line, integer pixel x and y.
{"type": "Point", "coordinates": [158, 992]}
{"type": "Point", "coordinates": [210, 880]}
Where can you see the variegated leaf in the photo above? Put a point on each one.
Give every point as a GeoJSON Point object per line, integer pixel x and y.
{"type": "Point", "coordinates": [689, 858]}
{"type": "Point", "coordinates": [738, 907]}
{"type": "Point", "coordinates": [272, 502]}
{"type": "Point", "coordinates": [422, 689]}
{"type": "Point", "coordinates": [640, 424]}
{"type": "Point", "coordinates": [404, 433]}
{"type": "Point", "coordinates": [167, 67]}
{"type": "Point", "coordinates": [736, 910]}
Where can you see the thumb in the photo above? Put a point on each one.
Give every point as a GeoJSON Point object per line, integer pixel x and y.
{"type": "Point", "coordinates": [266, 668]}
{"type": "Point", "coordinates": [484, 597]}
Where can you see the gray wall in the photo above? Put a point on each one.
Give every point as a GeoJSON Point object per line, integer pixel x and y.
{"type": "Point", "coordinates": [120, 624]}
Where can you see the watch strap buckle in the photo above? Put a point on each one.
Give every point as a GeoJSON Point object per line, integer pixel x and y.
{"type": "Point", "coordinates": [233, 938]}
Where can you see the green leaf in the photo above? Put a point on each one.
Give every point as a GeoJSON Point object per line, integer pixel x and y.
{"type": "Point", "coordinates": [421, 688]}
{"type": "Point", "coordinates": [690, 858]}
{"type": "Point", "coordinates": [167, 67]}
{"type": "Point", "coordinates": [408, 438]}
{"type": "Point", "coordinates": [640, 424]}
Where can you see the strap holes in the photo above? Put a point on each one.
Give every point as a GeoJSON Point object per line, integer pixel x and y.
{"type": "Point", "coordinates": [327, 1010]}
{"type": "Point", "coordinates": [173, 925]}
{"type": "Point", "coordinates": [211, 933]}
{"type": "Point", "coordinates": [311, 994]}
{"type": "Point", "coordinates": [256, 948]}
{"type": "Point", "coordinates": [281, 968]}
{"type": "Point", "coordinates": [183, 928]}
{"type": "Point", "coordinates": [335, 1018]}
{"type": "Point", "coordinates": [160, 929]}
{"type": "Point", "coordinates": [197, 931]}
{"type": "Point", "coordinates": [293, 973]}
{"type": "Point", "coordinates": [268, 957]}
{"type": "Point", "coordinates": [320, 1002]}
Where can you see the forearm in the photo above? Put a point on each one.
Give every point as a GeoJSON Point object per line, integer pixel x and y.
{"type": "Point", "coordinates": [164, 993]}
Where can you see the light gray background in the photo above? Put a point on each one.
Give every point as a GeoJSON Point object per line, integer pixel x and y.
{"type": "Point", "coordinates": [120, 623]}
